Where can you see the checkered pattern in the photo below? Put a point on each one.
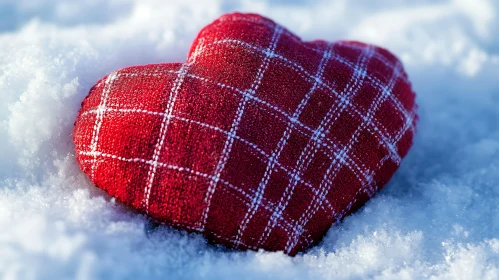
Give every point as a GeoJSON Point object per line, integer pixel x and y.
{"type": "Point", "coordinates": [259, 140]}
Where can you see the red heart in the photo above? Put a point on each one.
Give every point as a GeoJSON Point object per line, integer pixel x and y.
{"type": "Point", "coordinates": [260, 140]}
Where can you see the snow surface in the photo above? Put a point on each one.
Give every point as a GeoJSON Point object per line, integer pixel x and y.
{"type": "Point", "coordinates": [438, 217]}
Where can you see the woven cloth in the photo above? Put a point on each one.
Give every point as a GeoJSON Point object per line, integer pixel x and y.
{"type": "Point", "coordinates": [259, 140]}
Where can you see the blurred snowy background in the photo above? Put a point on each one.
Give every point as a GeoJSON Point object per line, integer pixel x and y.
{"type": "Point", "coordinates": [438, 217]}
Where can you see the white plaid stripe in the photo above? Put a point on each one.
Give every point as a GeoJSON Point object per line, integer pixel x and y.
{"type": "Point", "coordinates": [162, 134]}
{"type": "Point", "coordinates": [245, 197]}
{"type": "Point", "coordinates": [235, 124]}
{"type": "Point", "coordinates": [408, 126]}
{"type": "Point", "coordinates": [326, 183]}
{"type": "Point", "coordinates": [100, 116]}
{"type": "Point", "coordinates": [197, 51]}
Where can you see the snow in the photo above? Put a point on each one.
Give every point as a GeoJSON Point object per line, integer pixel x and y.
{"type": "Point", "coordinates": [438, 217]}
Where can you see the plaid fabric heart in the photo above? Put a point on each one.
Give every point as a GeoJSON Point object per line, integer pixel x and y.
{"type": "Point", "coordinates": [259, 140]}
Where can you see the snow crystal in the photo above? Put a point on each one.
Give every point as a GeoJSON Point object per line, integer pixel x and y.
{"type": "Point", "coordinates": [438, 217]}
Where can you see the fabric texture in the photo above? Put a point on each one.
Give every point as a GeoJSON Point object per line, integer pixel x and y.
{"type": "Point", "coordinates": [259, 140]}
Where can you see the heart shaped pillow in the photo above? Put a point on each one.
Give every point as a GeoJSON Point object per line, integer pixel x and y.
{"type": "Point", "coordinates": [259, 140]}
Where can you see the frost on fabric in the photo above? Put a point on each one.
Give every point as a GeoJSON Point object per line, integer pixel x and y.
{"type": "Point", "coordinates": [438, 217]}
